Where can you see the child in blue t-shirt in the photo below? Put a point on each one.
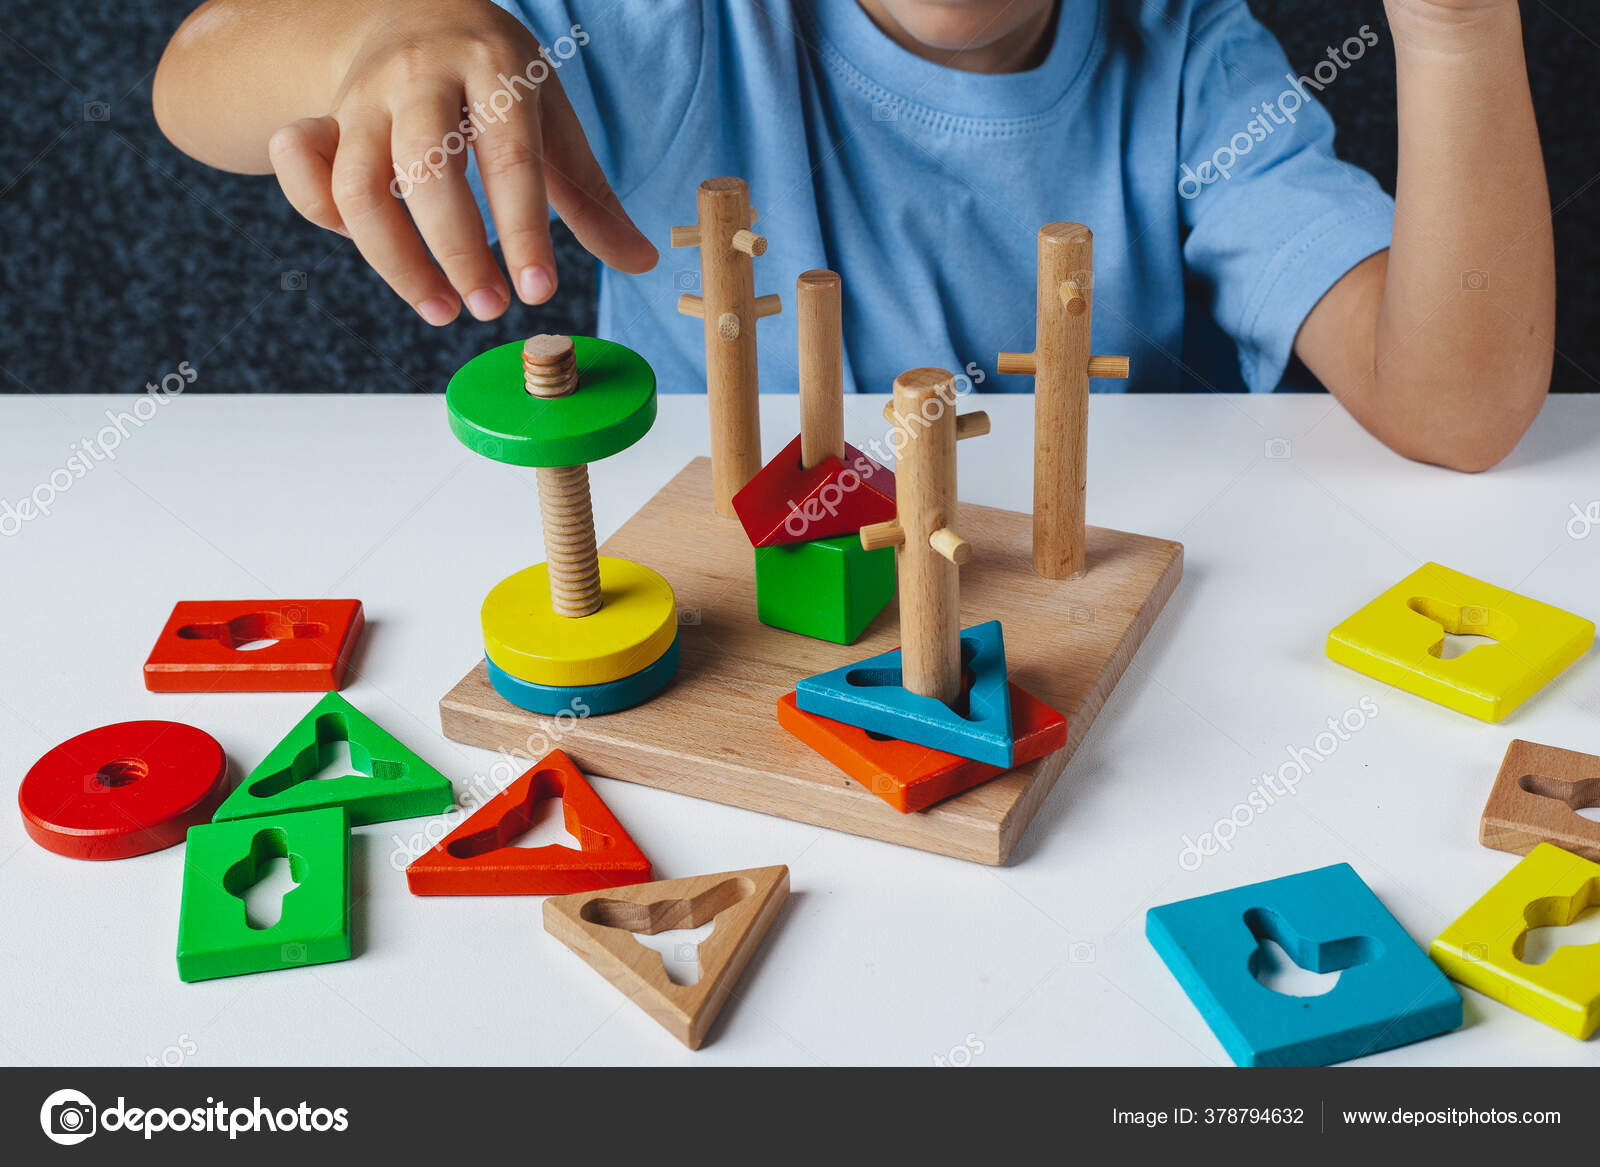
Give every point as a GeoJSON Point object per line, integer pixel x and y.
{"type": "Point", "coordinates": [916, 146]}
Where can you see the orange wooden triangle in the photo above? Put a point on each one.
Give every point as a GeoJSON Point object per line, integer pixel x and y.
{"type": "Point", "coordinates": [600, 925]}
{"type": "Point", "coordinates": [476, 859]}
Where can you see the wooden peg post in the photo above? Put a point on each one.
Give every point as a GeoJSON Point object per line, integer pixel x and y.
{"type": "Point", "coordinates": [925, 487]}
{"type": "Point", "coordinates": [817, 304]}
{"type": "Point", "coordinates": [1062, 366]}
{"type": "Point", "coordinates": [728, 305]}
{"type": "Point", "coordinates": [572, 558]}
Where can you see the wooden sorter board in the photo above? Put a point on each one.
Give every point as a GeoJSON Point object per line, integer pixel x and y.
{"type": "Point", "coordinates": [714, 732]}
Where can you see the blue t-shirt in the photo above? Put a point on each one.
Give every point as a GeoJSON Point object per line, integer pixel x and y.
{"type": "Point", "coordinates": [1175, 129]}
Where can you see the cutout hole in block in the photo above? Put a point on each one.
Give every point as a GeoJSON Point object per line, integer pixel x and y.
{"type": "Point", "coordinates": [865, 678]}
{"type": "Point", "coordinates": [679, 949]}
{"type": "Point", "coordinates": [1287, 963]}
{"type": "Point", "coordinates": [264, 878]}
{"type": "Point", "coordinates": [538, 821]}
{"type": "Point", "coordinates": [1558, 922]}
{"type": "Point", "coordinates": [547, 826]}
{"type": "Point", "coordinates": [332, 756]}
{"type": "Point", "coordinates": [667, 915]}
{"type": "Point", "coordinates": [121, 772]}
{"type": "Point", "coordinates": [1582, 797]}
{"type": "Point", "coordinates": [1464, 627]}
{"type": "Point", "coordinates": [254, 631]}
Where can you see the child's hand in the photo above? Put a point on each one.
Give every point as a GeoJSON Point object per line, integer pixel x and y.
{"type": "Point", "coordinates": [1417, 16]}
{"type": "Point", "coordinates": [424, 85]}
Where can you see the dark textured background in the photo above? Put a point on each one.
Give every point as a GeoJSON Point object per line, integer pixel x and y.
{"type": "Point", "coordinates": [121, 257]}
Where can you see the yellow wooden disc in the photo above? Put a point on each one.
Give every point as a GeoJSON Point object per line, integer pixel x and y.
{"type": "Point", "coordinates": [525, 637]}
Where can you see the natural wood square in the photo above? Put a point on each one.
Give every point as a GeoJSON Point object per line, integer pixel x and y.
{"type": "Point", "coordinates": [1536, 799]}
{"type": "Point", "coordinates": [714, 732]}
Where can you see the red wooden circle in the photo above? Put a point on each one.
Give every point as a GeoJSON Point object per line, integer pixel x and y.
{"type": "Point", "coordinates": [123, 790]}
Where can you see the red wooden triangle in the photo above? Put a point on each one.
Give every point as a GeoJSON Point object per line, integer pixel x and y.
{"type": "Point", "coordinates": [476, 859]}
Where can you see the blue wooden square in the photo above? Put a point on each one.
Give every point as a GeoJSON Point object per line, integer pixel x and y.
{"type": "Point", "coordinates": [869, 695]}
{"type": "Point", "coordinates": [1388, 993]}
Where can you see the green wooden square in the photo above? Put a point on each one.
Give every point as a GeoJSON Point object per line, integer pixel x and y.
{"type": "Point", "coordinates": [224, 860]}
{"type": "Point", "coordinates": [828, 588]}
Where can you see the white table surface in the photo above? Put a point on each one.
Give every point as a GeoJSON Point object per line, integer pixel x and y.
{"type": "Point", "coordinates": [883, 954]}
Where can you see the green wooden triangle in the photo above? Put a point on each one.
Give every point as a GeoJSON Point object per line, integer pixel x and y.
{"type": "Point", "coordinates": [397, 784]}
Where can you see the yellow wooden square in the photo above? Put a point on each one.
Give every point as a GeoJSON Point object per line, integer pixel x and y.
{"type": "Point", "coordinates": [1550, 888]}
{"type": "Point", "coordinates": [1398, 638]}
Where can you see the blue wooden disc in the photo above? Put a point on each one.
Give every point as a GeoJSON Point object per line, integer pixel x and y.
{"type": "Point", "coordinates": [587, 700]}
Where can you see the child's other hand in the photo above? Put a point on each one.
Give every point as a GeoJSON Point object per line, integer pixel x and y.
{"type": "Point", "coordinates": [397, 129]}
{"type": "Point", "coordinates": [1443, 14]}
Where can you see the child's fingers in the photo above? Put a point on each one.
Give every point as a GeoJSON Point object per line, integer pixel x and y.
{"type": "Point", "coordinates": [579, 190]}
{"type": "Point", "coordinates": [441, 203]}
{"type": "Point", "coordinates": [302, 156]}
{"type": "Point", "coordinates": [508, 150]}
{"type": "Point", "coordinates": [379, 225]}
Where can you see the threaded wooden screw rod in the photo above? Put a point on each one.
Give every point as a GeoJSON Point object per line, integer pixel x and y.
{"type": "Point", "coordinates": [580, 633]}
{"type": "Point", "coordinates": [565, 509]}
{"type": "Point", "coordinates": [569, 542]}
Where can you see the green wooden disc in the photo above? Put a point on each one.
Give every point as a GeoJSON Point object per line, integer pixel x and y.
{"type": "Point", "coordinates": [493, 415]}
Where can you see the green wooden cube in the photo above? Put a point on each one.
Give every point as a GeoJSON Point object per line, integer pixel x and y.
{"type": "Point", "coordinates": [223, 861]}
{"type": "Point", "coordinates": [828, 588]}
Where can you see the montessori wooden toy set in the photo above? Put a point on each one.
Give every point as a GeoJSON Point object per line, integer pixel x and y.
{"type": "Point", "coordinates": [823, 639]}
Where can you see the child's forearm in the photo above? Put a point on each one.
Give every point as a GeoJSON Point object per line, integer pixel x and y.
{"type": "Point", "coordinates": [237, 70]}
{"type": "Point", "coordinates": [362, 111]}
{"type": "Point", "coordinates": [1454, 363]}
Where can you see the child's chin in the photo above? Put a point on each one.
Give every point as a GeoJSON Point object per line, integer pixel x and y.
{"type": "Point", "coordinates": [953, 26]}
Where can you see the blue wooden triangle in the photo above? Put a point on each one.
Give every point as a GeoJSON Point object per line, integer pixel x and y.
{"type": "Point", "coordinates": [869, 695]}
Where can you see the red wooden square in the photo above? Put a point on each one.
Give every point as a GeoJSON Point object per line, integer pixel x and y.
{"type": "Point", "coordinates": [199, 649]}
{"type": "Point", "coordinates": [910, 777]}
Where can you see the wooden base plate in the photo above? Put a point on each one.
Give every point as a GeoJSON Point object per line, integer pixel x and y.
{"type": "Point", "coordinates": [714, 733]}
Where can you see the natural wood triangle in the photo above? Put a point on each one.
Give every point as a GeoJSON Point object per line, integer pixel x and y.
{"type": "Point", "coordinates": [477, 858]}
{"type": "Point", "coordinates": [599, 927]}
